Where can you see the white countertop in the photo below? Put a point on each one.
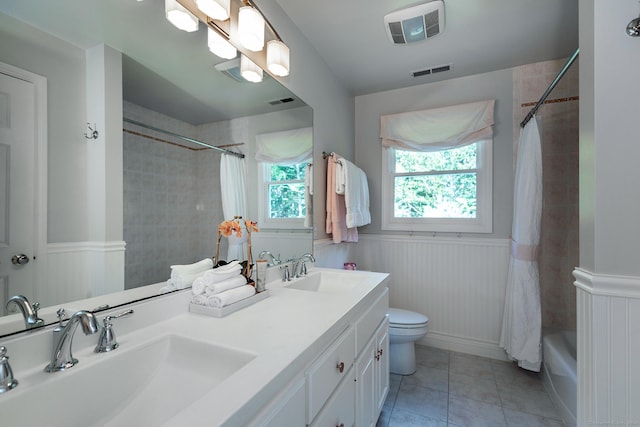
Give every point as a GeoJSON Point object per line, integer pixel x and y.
{"type": "Point", "coordinates": [285, 332]}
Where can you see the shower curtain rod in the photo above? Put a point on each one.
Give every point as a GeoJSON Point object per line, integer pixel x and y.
{"type": "Point", "coordinates": [184, 138]}
{"type": "Point", "coordinates": [550, 88]}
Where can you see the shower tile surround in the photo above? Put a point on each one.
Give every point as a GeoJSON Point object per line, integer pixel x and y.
{"type": "Point", "coordinates": [452, 389]}
{"type": "Point", "coordinates": [171, 195]}
{"type": "Point", "coordinates": [558, 124]}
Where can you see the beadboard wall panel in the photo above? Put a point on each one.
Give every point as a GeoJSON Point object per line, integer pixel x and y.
{"type": "Point", "coordinates": [458, 283]}
{"type": "Point", "coordinates": [86, 268]}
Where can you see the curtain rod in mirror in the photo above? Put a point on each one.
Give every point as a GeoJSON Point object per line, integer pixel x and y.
{"type": "Point", "coordinates": [184, 138]}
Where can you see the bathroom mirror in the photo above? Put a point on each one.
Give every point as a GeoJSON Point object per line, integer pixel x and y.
{"type": "Point", "coordinates": [169, 79]}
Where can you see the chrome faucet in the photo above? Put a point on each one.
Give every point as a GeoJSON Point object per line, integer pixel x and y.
{"type": "Point", "coordinates": [30, 312]}
{"type": "Point", "coordinates": [7, 381]}
{"type": "Point", "coordinates": [107, 340]}
{"type": "Point", "coordinates": [286, 275]}
{"type": "Point", "coordinates": [300, 265]}
{"type": "Point", "coordinates": [61, 357]}
{"type": "Point", "coordinates": [274, 260]}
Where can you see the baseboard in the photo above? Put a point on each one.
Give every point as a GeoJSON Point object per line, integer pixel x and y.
{"type": "Point", "coordinates": [463, 345]}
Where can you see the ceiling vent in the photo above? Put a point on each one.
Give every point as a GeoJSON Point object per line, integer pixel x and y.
{"type": "Point", "coordinates": [231, 69]}
{"type": "Point", "coordinates": [281, 101]}
{"type": "Point", "coordinates": [432, 70]}
{"type": "Point", "coordinates": [415, 23]}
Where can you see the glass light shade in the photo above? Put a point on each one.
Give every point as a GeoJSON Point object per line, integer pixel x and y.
{"type": "Point", "coordinates": [219, 46]}
{"type": "Point", "coordinates": [215, 9]}
{"type": "Point", "coordinates": [180, 17]}
{"type": "Point", "coordinates": [249, 70]}
{"type": "Point", "coordinates": [251, 28]}
{"type": "Point", "coordinates": [278, 58]}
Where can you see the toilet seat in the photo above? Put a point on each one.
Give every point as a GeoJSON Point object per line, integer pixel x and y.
{"type": "Point", "coordinates": [405, 319]}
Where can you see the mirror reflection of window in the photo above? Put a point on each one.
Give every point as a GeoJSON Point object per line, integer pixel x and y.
{"type": "Point", "coordinates": [284, 193]}
{"type": "Point", "coordinates": [284, 178]}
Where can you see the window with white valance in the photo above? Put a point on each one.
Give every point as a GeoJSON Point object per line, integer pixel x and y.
{"type": "Point", "coordinates": [437, 169]}
{"type": "Point", "coordinates": [283, 181]}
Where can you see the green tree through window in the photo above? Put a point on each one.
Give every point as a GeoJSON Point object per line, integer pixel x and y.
{"type": "Point", "coordinates": [286, 191]}
{"type": "Point", "coordinates": [441, 184]}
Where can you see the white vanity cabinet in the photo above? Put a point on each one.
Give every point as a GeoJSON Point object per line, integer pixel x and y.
{"type": "Point", "coordinates": [372, 377]}
{"type": "Point", "coordinates": [347, 384]}
{"type": "Point", "coordinates": [372, 365]}
{"type": "Point", "coordinates": [328, 371]}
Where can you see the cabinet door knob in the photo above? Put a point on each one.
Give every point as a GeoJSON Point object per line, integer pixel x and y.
{"type": "Point", "coordinates": [340, 425]}
{"type": "Point", "coordinates": [340, 367]}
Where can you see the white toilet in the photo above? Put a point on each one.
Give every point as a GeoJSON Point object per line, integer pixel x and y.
{"type": "Point", "coordinates": [405, 328]}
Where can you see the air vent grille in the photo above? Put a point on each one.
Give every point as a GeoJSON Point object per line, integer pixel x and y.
{"type": "Point", "coordinates": [416, 23]}
{"type": "Point", "coordinates": [281, 101]}
{"type": "Point", "coordinates": [432, 70]}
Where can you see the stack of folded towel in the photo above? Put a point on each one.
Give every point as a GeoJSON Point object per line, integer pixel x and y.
{"type": "Point", "coordinates": [182, 276]}
{"type": "Point", "coordinates": [221, 286]}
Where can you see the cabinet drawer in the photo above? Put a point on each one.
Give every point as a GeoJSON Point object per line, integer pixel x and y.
{"type": "Point", "coordinates": [328, 370]}
{"type": "Point", "coordinates": [340, 409]}
{"type": "Point", "coordinates": [367, 324]}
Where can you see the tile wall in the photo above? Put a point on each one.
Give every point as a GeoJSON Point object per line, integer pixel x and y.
{"type": "Point", "coordinates": [171, 198]}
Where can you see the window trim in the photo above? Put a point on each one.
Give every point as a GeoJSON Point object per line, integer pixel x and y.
{"type": "Point", "coordinates": [263, 208]}
{"type": "Point", "coordinates": [483, 223]}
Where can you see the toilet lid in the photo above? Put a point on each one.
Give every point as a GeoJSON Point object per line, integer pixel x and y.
{"type": "Point", "coordinates": [405, 317]}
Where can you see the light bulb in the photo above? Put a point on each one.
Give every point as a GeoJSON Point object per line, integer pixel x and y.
{"type": "Point", "coordinates": [250, 28]}
{"type": "Point", "coordinates": [249, 70]}
{"type": "Point", "coordinates": [180, 17]}
{"type": "Point", "coordinates": [278, 58]}
{"type": "Point", "coordinates": [215, 9]}
{"type": "Point", "coordinates": [219, 46]}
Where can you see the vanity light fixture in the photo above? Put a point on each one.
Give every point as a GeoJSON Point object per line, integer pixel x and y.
{"type": "Point", "coordinates": [220, 46]}
{"type": "Point", "coordinates": [245, 30]}
{"type": "Point", "coordinates": [278, 58]}
{"type": "Point", "coordinates": [215, 9]}
{"type": "Point", "coordinates": [179, 16]}
{"type": "Point", "coordinates": [251, 28]}
{"type": "Point", "coordinates": [249, 70]}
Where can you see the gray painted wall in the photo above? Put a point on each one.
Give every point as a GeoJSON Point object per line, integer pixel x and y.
{"type": "Point", "coordinates": [368, 153]}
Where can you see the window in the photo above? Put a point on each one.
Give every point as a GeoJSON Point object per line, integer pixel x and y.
{"type": "Point", "coordinates": [447, 190]}
{"type": "Point", "coordinates": [282, 195]}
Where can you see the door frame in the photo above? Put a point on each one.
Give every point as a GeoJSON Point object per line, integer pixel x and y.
{"type": "Point", "coordinates": [40, 168]}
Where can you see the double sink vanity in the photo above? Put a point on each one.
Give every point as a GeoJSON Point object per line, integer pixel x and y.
{"type": "Point", "coordinates": [314, 352]}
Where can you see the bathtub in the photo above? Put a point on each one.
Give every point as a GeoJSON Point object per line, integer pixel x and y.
{"type": "Point", "coordinates": [559, 371]}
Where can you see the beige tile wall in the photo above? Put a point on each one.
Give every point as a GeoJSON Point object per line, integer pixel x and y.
{"type": "Point", "coordinates": [558, 122]}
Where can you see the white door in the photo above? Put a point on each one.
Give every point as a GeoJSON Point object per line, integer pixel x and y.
{"type": "Point", "coordinates": [17, 189]}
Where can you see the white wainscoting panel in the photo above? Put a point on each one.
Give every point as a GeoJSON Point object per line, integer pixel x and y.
{"type": "Point", "coordinates": [608, 321]}
{"type": "Point", "coordinates": [333, 255]}
{"type": "Point", "coordinates": [458, 283]}
{"type": "Point", "coordinates": [86, 269]}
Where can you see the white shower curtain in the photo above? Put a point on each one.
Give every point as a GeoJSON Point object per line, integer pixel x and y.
{"type": "Point", "coordinates": [522, 319]}
{"type": "Point", "coordinates": [233, 190]}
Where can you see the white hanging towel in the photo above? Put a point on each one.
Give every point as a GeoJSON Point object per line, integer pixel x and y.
{"type": "Point", "coordinates": [352, 182]}
{"type": "Point", "coordinates": [522, 319]}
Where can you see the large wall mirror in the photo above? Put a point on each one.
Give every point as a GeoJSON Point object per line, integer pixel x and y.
{"type": "Point", "coordinates": [112, 217]}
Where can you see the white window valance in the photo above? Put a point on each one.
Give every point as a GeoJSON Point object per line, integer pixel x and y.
{"type": "Point", "coordinates": [438, 129]}
{"type": "Point", "coordinates": [286, 147]}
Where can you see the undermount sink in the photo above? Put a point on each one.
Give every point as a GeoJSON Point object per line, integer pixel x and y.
{"type": "Point", "coordinates": [326, 281]}
{"type": "Point", "coordinates": [146, 385]}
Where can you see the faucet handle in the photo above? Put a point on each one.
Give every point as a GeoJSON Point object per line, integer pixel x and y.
{"type": "Point", "coordinates": [107, 340]}
{"type": "Point", "coordinates": [7, 381]}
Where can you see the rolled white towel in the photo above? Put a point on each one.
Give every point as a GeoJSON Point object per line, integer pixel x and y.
{"type": "Point", "coordinates": [170, 286]}
{"type": "Point", "coordinates": [185, 280]}
{"type": "Point", "coordinates": [229, 266]}
{"type": "Point", "coordinates": [200, 299]}
{"type": "Point", "coordinates": [198, 286]}
{"type": "Point", "coordinates": [225, 285]}
{"type": "Point", "coordinates": [197, 267]}
{"type": "Point", "coordinates": [212, 276]}
{"type": "Point", "coordinates": [226, 298]}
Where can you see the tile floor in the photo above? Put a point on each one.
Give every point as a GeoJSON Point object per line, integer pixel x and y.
{"type": "Point", "coordinates": [452, 389]}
